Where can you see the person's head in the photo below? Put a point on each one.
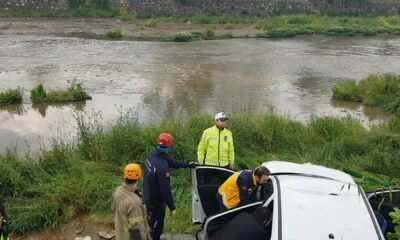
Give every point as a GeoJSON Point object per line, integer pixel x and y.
{"type": "Point", "coordinates": [261, 175]}
{"type": "Point", "coordinates": [165, 142]}
{"type": "Point", "coordinates": [220, 119]}
{"type": "Point", "coordinates": [132, 173]}
{"type": "Point", "coordinates": [263, 215]}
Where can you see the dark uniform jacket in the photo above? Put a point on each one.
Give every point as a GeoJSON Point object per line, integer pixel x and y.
{"type": "Point", "coordinates": [157, 187]}
{"type": "Point", "coordinates": [243, 227]}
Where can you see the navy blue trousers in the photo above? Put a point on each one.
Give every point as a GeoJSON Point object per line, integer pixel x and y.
{"type": "Point", "coordinates": [156, 214]}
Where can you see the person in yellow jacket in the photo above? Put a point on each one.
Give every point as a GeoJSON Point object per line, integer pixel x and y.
{"type": "Point", "coordinates": [241, 188]}
{"type": "Point", "coordinates": [3, 223]}
{"type": "Point", "coordinates": [130, 214]}
{"type": "Point", "coordinates": [216, 144]}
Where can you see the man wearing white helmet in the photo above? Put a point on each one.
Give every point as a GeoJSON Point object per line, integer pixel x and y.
{"type": "Point", "coordinates": [216, 144]}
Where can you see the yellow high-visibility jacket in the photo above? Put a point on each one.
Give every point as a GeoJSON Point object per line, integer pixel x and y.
{"type": "Point", "coordinates": [216, 147]}
{"type": "Point", "coordinates": [237, 189]}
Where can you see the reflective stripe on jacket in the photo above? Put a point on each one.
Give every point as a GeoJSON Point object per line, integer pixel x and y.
{"type": "Point", "coordinates": [129, 213]}
{"type": "Point", "coordinates": [236, 190]}
{"type": "Point", "coordinates": [216, 147]}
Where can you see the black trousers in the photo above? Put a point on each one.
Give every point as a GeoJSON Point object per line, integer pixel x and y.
{"type": "Point", "coordinates": [156, 214]}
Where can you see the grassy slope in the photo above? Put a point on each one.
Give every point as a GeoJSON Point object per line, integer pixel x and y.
{"type": "Point", "coordinates": [64, 181]}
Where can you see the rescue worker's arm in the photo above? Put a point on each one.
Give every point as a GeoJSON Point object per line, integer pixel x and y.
{"type": "Point", "coordinates": [201, 149]}
{"type": "Point", "coordinates": [165, 189]}
{"type": "Point", "coordinates": [243, 186]}
{"type": "Point", "coordinates": [176, 163]}
{"type": "Point", "coordinates": [231, 153]}
{"type": "Point", "coordinates": [136, 221]}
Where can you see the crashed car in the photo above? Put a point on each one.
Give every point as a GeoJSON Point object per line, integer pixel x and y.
{"type": "Point", "coordinates": [307, 202]}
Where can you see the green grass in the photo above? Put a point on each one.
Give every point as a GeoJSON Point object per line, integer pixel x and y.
{"type": "Point", "coordinates": [74, 93]}
{"type": "Point", "coordinates": [10, 96]}
{"type": "Point", "coordinates": [114, 33]}
{"type": "Point", "coordinates": [375, 90]}
{"type": "Point", "coordinates": [396, 220]}
{"type": "Point", "coordinates": [49, 189]}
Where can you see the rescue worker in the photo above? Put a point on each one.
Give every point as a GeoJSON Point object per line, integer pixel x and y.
{"type": "Point", "coordinates": [241, 188]}
{"type": "Point", "coordinates": [216, 144]}
{"type": "Point", "coordinates": [3, 223]}
{"type": "Point", "coordinates": [256, 226]}
{"type": "Point", "coordinates": [157, 188]}
{"type": "Point", "coordinates": [130, 214]}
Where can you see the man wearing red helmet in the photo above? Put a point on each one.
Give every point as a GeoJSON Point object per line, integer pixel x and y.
{"type": "Point", "coordinates": [157, 188]}
{"type": "Point", "coordinates": [130, 214]}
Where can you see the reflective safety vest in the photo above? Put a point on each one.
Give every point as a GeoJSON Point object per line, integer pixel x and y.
{"type": "Point", "coordinates": [216, 147]}
{"type": "Point", "coordinates": [231, 188]}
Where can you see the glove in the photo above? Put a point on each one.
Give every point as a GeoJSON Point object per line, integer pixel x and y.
{"type": "Point", "coordinates": [192, 165]}
{"type": "Point", "coordinates": [173, 213]}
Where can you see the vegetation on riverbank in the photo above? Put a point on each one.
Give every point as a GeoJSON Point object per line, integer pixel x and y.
{"type": "Point", "coordinates": [375, 90]}
{"type": "Point", "coordinates": [278, 26]}
{"type": "Point", "coordinates": [74, 93]}
{"type": "Point", "coordinates": [10, 96]}
{"type": "Point", "coordinates": [114, 33]}
{"type": "Point", "coordinates": [43, 191]}
{"type": "Point", "coordinates": [396, 220]}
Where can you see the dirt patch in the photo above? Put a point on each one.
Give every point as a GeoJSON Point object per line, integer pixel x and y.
{"type": "Point", "coordinates": [96, 28]}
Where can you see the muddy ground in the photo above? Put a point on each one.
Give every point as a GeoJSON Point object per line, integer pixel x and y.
{"type": "Point", "coordinates": [82, 226]}
{"type": "Point", "coordinates": [96, 28]}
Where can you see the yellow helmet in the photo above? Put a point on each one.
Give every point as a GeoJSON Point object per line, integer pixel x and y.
{"type": "Point", "coordinates": [132, 171]}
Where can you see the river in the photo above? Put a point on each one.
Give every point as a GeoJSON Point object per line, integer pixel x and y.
{"type": "Point", "coordinates": [165, 80]}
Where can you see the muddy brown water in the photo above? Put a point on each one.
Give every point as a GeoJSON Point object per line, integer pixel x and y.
{"type": "Point", "coordinates": [164, 80]}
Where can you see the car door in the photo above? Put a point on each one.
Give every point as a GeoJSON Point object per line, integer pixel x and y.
{"type": "Point", "coordinates": [205, 183]}
{"type": "Point", "coordinates": [384, 202]}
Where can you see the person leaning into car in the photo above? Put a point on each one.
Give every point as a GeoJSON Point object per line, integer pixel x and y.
{"type": "Point", "coordinates": [241, 188]}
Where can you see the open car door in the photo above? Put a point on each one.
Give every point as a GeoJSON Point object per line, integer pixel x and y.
{"type": "Point", "coordinates": [205, 183]}
{"type": "Point", "coordinates": [384, 202]}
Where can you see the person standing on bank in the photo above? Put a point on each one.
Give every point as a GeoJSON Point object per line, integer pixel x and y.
{"type": "Point", "coordinates": [130, 214]}
{"type": "Point", "coordinates": [216, 144]}
{"type": "Point", "coordinates": [3, 223]}
{"type": "Point", "coordinates": [157, 188]}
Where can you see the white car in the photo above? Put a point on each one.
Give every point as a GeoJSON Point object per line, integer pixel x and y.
{"type": "Point", "coordinates": [309, 202]}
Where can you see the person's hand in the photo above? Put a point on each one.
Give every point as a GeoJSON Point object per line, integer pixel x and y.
{"type": "Point", "coordinates": [173, 213]}
{"type": "Point", "coordinates": [192, 165]}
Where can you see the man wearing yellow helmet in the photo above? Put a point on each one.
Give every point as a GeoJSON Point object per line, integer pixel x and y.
{"type": "Point", "coordinates": [130, 214]}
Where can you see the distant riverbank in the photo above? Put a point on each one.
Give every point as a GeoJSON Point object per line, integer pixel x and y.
{"type": "Point", "coordinates": [193, 28]}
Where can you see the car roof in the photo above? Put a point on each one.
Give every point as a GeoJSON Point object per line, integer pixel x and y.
{"type": "Point", "coordinates": [315, 208]}
{"type": "Point", "coordinates": [281, 167]}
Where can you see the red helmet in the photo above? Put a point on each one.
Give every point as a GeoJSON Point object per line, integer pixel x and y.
{"type": "Point", "coordinates": [165, 139]}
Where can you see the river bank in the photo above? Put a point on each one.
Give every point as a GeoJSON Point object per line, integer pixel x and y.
{"type": "Point", "coordinates": [68, 180]}
{"type": "Point", "coordinates": [202, 27]}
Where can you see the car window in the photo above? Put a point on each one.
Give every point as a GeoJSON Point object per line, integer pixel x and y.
{"type": "Point", "coordinates": [211, 176]}
{"type": "Point", "coordinates": [384, 203]}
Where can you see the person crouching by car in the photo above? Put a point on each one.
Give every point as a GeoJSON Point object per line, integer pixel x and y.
{"type": "Point", "coordinates": [240, 188]}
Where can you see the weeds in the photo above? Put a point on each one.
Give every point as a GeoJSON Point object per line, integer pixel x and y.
{"type": "Point", "coordinates": [74, 93]}
{"type": "Point", "coordinates": [10, 96]}
{"type": "Point", "coordinates": [114, 33]}
{"type": "Point", "coordinates": [65, 181]}
{"type": "Point", "coordinates": [374, 90]}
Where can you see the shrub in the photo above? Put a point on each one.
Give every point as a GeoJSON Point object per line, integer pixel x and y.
{"type": "Point", "coordinates": [210, 31]}
{"type": "Point", "coordinates": [38, 94]}
{"type": "Point", "coordinates": [114, 33]}
{"type": "Point", "coordinates": [183, 37]}
{"type": "Point", "coordinates": [348, 90]}
{"type": "Point", "coordinates": [230, 26]}
{"type": "Point", "coordinates": [74, 93]}
{"type": "Point", "coordinates": [395, 215]}
{"type": "Point", "coordinates": [280, 33]}
{"type": "Point", "coordinates": [152, 22]}
{"type": "Point", "coordinates": [10, 96]}
{"type": "Point", "coordinates": [227, 35]}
